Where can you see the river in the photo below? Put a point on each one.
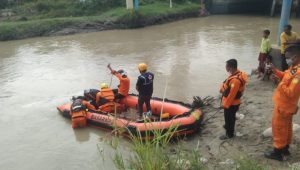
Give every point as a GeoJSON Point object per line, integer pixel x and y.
{"type": "Point", "coordinates": [187, 57]}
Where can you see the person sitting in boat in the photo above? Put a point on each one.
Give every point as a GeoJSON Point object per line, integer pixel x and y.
{"type": "Point", "coordinates": [123, 87]}
{"type": "Point", "coordinates": [144, 86]}
{"type": "Point", "coordinates": [90, 95]}
{"type": "Point", "coordinates": [105, 98]}
{"type": "Point", "coordinates": [78, 111]}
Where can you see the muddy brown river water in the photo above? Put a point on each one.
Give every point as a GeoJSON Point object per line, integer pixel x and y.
{"type": "Point", "coordinates": [38, 74]}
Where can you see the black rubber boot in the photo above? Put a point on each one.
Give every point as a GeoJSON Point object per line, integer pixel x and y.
{"type": "Point", "coordinates": [225, 137]}
{"type": "Point", "coordinates": [285, 151]}
{"type": "Point", "coordinates": [275, 154]}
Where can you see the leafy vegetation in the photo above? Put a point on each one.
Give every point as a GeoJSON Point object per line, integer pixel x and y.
{"type": "Point", "coordinates": [247, 163]}
{"type": "Point", "coordinates": [162, 153]}
{"type": "Point", "coordinates": [153, 153]}
{"type": "Point", "coordinates": [47, 18]}
{"type": "Point", "coordinates": [74, 8]}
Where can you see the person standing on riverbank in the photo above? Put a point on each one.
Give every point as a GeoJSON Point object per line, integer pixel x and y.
{"type": "Point", "coordinates": [287, 37]}
{"type": "Point", "coordinates": [144, 86]}
{"type": "Point", "coordinates": [123, 87]}
{"type": "Point", "coordinates": [232, 90]}
{"type": "Point", "coordinates": [286, 98]}
{"type": "Point", "coordinates": [265, 48]}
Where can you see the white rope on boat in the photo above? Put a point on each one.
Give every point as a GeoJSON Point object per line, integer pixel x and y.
{"type": "Point", "coordinates": [162, 107]}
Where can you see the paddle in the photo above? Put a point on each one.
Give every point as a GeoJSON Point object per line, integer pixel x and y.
{"type": "Point", "coordinates": [111, 70]}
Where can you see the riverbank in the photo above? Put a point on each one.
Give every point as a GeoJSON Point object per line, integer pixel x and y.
{"type": "Point", "coordinates": [257, 109]}
{"type": "Point", "coordinates": [246, 151]}
{"type": "Point", "coordinates": [117, 18]}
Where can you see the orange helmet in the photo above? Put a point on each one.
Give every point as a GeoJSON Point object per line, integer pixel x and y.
{"type": "Point", "coordinates": [142, 67]}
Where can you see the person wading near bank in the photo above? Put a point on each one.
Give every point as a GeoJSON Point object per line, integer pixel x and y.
{"type": "Point", "coordinates": [144, 86]}
{"type": "Point", "coordinates": [232, 90]}
{"type": "Point", "coordinates": [287, 37]}
{"type": "Point", "coordinates": [286, 97]}
{"type": "Point", "coordinates": [123, 87]}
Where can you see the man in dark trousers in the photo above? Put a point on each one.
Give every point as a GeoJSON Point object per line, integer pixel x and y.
{"type": "Point", "coordinates": [144, 86]}
{"type": "Point", "coordinates": [232, 90]}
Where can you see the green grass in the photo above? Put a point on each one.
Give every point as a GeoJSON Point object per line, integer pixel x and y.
{"type": "Point", "coordinates": [164, 9]}
{"type": "Point", "coordinates": [63, 8]}
{"type": "Point", "coordinates": [10, 30]}
{"type": "Point", "coordinates": [154, 154]}
{"type": "Point", "coordinates": [247, 163]}
{"type": "Point", "coordinates": [18, 30]}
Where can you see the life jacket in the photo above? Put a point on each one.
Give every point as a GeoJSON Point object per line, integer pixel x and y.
{"type": "Point", "coordinates": [106, 102]}
{"type": "Point", "coordinates": [78, 109]}
{"type": "Point", "coordinates": [242, 77]}
{"type": "Point", "coordinates": [123, 87]}
{"type": "Point", "coordinates": [145, 84]}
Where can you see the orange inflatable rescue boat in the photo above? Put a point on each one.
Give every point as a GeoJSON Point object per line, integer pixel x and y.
{"type": "Point", "coordinates": [185, 118]}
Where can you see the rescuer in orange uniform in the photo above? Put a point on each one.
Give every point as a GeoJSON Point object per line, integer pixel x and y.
{"type": "Point", "coordinates": [105, 98]}
{"type": "Point", "coordinates": [286, 98]}
{"type": "Point", "coordinates": [78, 112]}
{"type": "Point", "coordinates": [232, 90]}
{"type": "Point", "coordinates": [123, 87]}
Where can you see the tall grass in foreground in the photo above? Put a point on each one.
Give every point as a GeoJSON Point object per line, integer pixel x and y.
{"type": "Point", "coordinates": [151, 152]}
{"type": "Point", "coordinates": [154, 154]}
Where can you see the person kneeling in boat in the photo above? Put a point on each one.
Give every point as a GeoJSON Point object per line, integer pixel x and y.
{"type": "Point", "coordinates": [123, 87]}
{"type": "Point", "coordinates": [78, 112]}
{"type": "Point", "coordinates": [105, 99]}
{"type": "Point", "coordinates": [90, 96]}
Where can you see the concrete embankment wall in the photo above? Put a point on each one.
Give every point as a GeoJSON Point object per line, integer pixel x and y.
{"type": "Point", "coordinates": [239, 6]}
{"type": "Point", "coordinates": [276, 56]}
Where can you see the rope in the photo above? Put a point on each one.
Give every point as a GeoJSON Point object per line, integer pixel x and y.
{"type": "Point", "coordinates": [206, 120]}
{"type": "Point", "coordinates": [108, 66]}
{"type": "Point", "coordinates": [167, 100]}
{"type": "Point", "coordinates": [110, 80]}
{"type": "Point", "coordinates": [162, 107]}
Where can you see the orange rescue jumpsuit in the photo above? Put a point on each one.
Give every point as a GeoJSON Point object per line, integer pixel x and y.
{"type": "Point", "coordinates": [286, 98]}
{"type": "Point", "coordinates": [234, 86]}
{"type": "Point", "coordinates": [78, 112]}
{"type": "Point", "coordinates": [105, 100]}
{"type": "Point", "coordinates": [124, 85]}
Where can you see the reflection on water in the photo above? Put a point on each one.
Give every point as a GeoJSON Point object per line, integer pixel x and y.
{"type": "Point", "coordinates": [38, 74]}
{"type": "Point", "coordinates": [81, 135]}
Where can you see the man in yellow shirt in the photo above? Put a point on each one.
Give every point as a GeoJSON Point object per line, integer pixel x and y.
{"type": "Point", "coordinates": [287, 37]}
